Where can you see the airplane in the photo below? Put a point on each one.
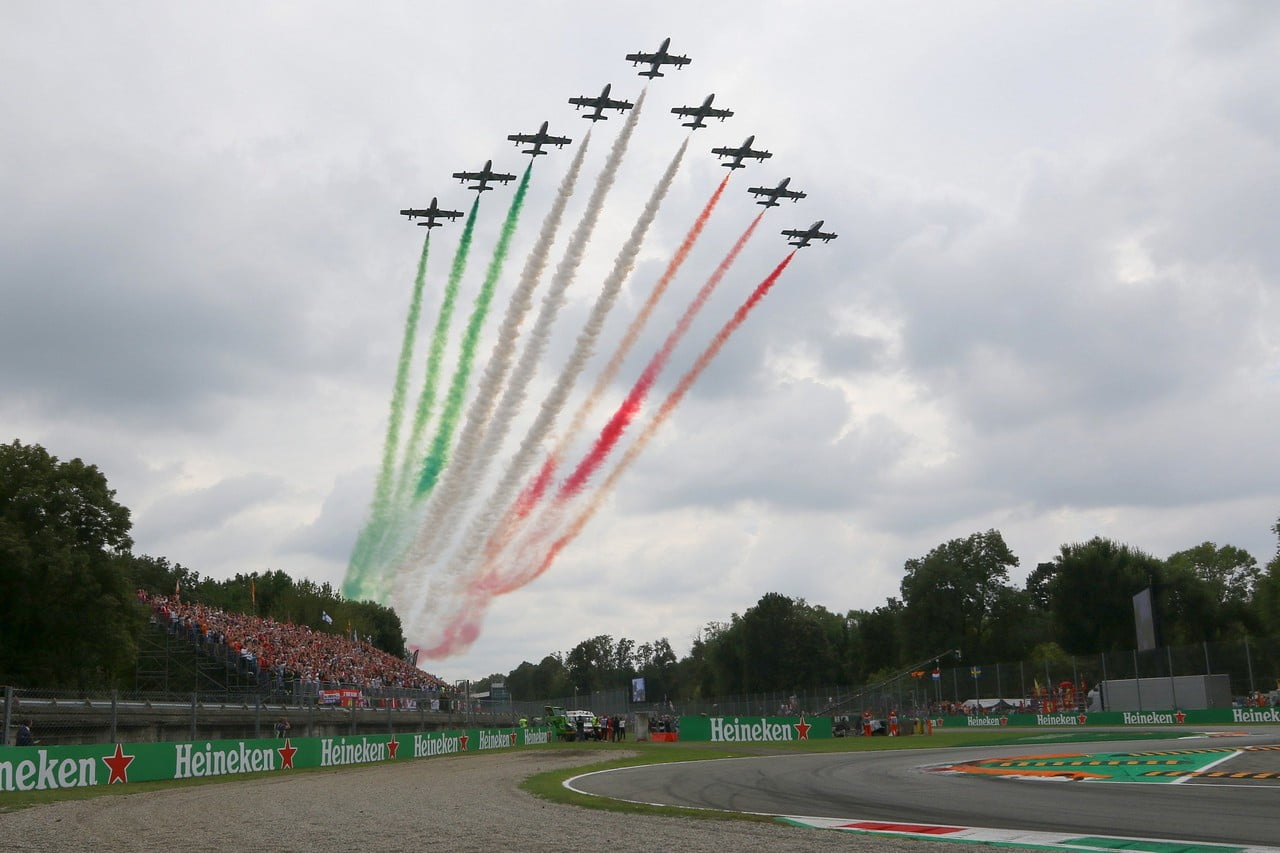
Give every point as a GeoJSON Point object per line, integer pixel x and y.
{"type": "Point", "coordinates": [655, 60]}
{"type": "Point", "coordinates": [600, 104]}
{"type": "Point", "coordinates": [700, 113]}
{"type": "Point", "coordinates": [537, 140]}
{"type": "Point", "coordinates": [745, 150]}
{"type": "Point", "coordinates": [431, 214]}
{"type": "Point", "coordinates": [483, 177]}
{"type": "Point", "coordinates": [806, 236]}
{"type": "Point", "coordinates": [775, 193]}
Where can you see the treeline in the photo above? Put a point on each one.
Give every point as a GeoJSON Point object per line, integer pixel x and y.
{"type": "Point", "coordinates": [957, 597]}
{"type": "Point", "coordinates": [69, 578]}
{"type": "Point", "coordinates": [68, 616]}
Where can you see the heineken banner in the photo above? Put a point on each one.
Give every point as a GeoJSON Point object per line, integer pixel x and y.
{"type": "Point", "coordinates": [749, 729]}
{"type": "Point", "coordinates": [1205, 717]}
{"type": "Point", "coordinates": [39, 768]}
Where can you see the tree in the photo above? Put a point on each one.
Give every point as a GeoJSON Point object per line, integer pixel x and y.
{"type": "Point", "coordinates": [1222, 580]}
{"type": "Point", "coordinates": [66, 614]}
{"type": "Point", "coordinates": [1091, 594]}
{"type": "Point", "coordinates": [950, 594]}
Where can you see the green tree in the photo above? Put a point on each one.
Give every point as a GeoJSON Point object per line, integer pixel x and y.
{"type": "Point", "coordinates": [1091, 594]}
{"type": "Point", "coordinates": [950, 595]}
{"type": "Point", "coordinates": [66, 615]}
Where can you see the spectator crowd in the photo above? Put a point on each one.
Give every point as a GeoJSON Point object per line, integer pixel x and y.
{"type": "Point", "coordinates": [281, 653]}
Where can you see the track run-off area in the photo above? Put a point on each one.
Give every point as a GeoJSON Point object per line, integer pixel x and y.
{"type": "Point", "coordinates": [1207, 792]}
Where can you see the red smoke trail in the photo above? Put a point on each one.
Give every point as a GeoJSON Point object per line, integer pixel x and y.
{"type": "Point", "coordinates": [528, 499]}
{"type": "Point", "coordinates": [494, 586]}
{"type": "Point", "coordinates": [627, 411]}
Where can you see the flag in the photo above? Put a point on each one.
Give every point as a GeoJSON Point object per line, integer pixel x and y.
{"type": "Point", "coordinates": [177, 587]}
{"type": "Point", "coordinates": [326, 617]}
{"type": "Point", "coordinates": [253, 592]}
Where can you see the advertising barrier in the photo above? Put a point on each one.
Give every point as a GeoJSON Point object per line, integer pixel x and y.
{"type": "Point", "coordinates": [1207, 717]}
{"type": "Point", "coordinates": [39, 768]}
{"type": "Point", "coordinates": [753, 729]}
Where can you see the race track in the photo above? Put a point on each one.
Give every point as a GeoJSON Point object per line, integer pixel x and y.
{"type": "Point", "coordinates": [897, 786]}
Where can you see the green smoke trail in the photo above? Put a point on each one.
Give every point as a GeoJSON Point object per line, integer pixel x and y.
{"type": "Point", "coordinates": [375, 528]}
{"type": "Point", "coordinates": [438, 456]}
{"type": "Point", "coordinates": [427, 399]}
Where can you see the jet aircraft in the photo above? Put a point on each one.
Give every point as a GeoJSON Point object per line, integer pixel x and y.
{"type": "Point", "coordinates": [600, 104]}
{"type": "Point", "coordinates": [658, 59]}
{"type": "Point", "coordinates": [772, 194]}
{"type": "Point", "coordinates": [700, 113]}
{"type": "Point", "coordinates": [741, 152]}
{"type": "Point", "coordinates": [537, 140]}
{"type": "Point", "coordinates": [431, 214]}
{"type": "Point", "coordinates": [805, 236]}
{"type": "Point", "coordinates": [483, 177]}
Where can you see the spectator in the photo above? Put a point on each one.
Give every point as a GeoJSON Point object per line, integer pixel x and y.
{"type": "Point", "coordinates": [24, 734]}
{"type": "Point", "coordinates": [283, 727]}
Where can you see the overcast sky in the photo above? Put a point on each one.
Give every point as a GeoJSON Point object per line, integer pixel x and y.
{"type": "Point", "coordinates": [1053, 307]}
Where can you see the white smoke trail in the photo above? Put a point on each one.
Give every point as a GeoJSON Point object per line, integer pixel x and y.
{"type": "Point", "coordinates": [505, 494]}
{"type": "Point", "coordinates": [412, 587]}
{"type": "Point", "coordinates": [447, 499]}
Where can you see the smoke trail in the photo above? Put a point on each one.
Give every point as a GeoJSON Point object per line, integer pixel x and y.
{"type": "Point", "coordinates": [668, 406]}
{"type": "Point", "coordinates": [375, 528]}
{"type": "Point", "coordinates": [534, 491]}
{"type": "Point", "coordinates": [626, 412]}
{"type": "Point", "coordinates": [426, 400]}
{"type": "Point", "coordinates": [506, 494]}
{"type": "Point", "coordinates": [447, 500]}
{"type": "Point", "coordinates": [438, 455]}
{"type": "Point", "coordinates": [426, 549]}
{"type": "Point", "coordinates": [554, 402]}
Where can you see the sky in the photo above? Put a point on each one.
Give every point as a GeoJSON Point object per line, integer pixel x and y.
{"type": "Point", "coordinates": [1053, 307]}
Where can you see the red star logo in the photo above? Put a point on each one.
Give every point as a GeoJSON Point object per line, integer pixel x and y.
{"type": "Point", "coordinates": [392, 746]}
{"type": "Point", "coordinates": [1004, 721]}
{"type": "Point", "coordinates": [1082, 719]}
{"type": "Point", "coordinates": [1180, 717]}
{"type": "Point", "coordinates": [286, 755]}
{"type": "Point", "coordinates": [513, 738]}
{"type": "Point", "coordinates": [802, 728]}
{"type": "Point", "coordinates": [119, 764]}
{"type": "Point", "coordinates": [463, 739]}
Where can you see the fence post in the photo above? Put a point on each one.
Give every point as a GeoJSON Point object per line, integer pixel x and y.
{"type": "Point", "coordinates": [1173, 685]}
{"type": "Point", "coordinates": [1208, 669]}
{"type": "Point", "coordinates": [8, 715]}
{"type": "Point", "coordinates": [1248, 659]}
{"type": "Point", "coordinates": [115, 699]}
{"type": "Point", "coordinates": [257, 718]}
{"type": "Point", "coordinates": [194, 699]}
{"type": "Point", "coordinates": [1137, 680]}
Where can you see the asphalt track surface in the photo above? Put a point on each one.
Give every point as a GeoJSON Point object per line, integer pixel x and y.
{"type": "Point", "coordinates": [899, 786]}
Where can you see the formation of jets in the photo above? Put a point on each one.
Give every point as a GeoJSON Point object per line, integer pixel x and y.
{"type": "Point", "coordinates": [431, 214]}
{"type": "Point", "coordinates": [483, 177]}
{"type": "Point", "coordinates": [657, 60]}
{"type": "Point", "coordinates": [700, 113]}
{"type": "Point", "coordinates": [600, 104]}
{"type": "Point", "coordinates": [767, 196]}
{"type": "Point", "coordinates": [537, 140]}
